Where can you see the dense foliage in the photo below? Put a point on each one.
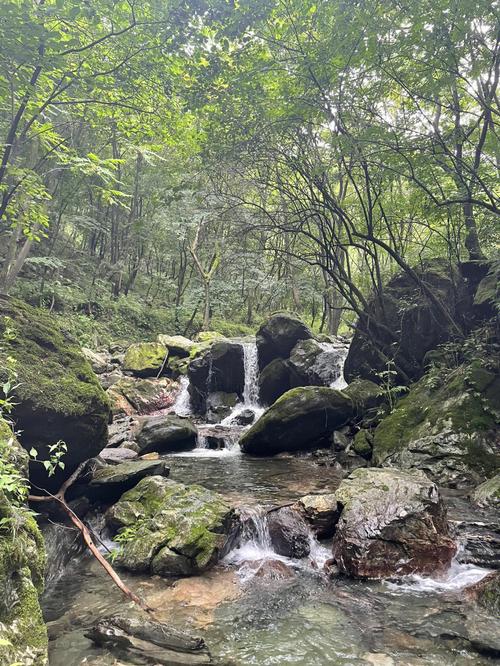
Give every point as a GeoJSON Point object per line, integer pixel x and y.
{"type": "Point", "coordinates": [199, 164]}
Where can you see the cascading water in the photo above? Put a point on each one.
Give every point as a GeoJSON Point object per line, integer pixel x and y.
{"type": "Point", "coordinates": [251, 366]}
{"type": "Point", "coordinates": [338, 353]}
{"type": "Point", "coordinates": [182, 405]}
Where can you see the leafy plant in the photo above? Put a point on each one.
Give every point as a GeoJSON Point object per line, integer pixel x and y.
{"type": "Point", "coordinates": [390, 390]}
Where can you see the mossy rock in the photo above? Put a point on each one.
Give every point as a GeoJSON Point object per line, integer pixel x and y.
{"type": "Point", "coordinates": [58, 396]}
{"type": "Point", "coordinates": [447, 426]}
{"type": "Point", "coordinates": [22, 569]}
{"type": "Point", "coordinates": [172, 529]}
{"type": "Point", "coordinates": [177, 345]}
{"type": "Point", "coordinates": [303, 418]}
{"type": "Point", "coordinates": [145, 359]}
{"type": "Point", "coordinates": [209, 336]}
{"type": "Point", "coordinates": [363, 444]}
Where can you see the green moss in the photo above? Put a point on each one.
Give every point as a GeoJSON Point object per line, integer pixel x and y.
{"type": "Point", "coordinates": [145, 358]}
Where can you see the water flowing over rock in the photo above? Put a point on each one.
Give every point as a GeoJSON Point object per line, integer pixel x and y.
{"type": "Point", "coordinates": [278, 336]}
{"type": "Point", "coordinates": [392, 523]}
{"type": "Point", "coordinates": [319, 363]}
{"type": "Point", "coordinates": [165, 433]}
{"type": "Point", "coordinates": [303, 418]}
{"type": "Point", "coordinates": [288, 532]}
{"type": "Point", "coordinates": [220, 368]}
{"type": "Point", "coordinates": [176, 529]}
{"type": "Point", "coordinates": [57, 396]}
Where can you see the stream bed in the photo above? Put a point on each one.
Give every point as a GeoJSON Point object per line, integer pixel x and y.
{"type": "Point", "coordinates": [258, 608]}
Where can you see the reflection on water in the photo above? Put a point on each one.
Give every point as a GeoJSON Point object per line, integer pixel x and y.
{"type": "Point", "coordinates": [286, 613]}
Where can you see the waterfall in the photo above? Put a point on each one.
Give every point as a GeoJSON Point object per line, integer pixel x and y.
{"type": "Point", "coordinates": [251, 367]}
{"type": "Point", "coordinates": [182, 404]}
{"type": "Point", "coordinates": [339, 351]}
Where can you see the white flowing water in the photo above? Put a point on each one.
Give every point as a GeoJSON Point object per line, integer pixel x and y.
{"type": "Point", "coordinates": [182, 404]}
{"type": "Point", "coordinates": [250, 386]}
{"type": "Point", "coordinates": [339, 353]}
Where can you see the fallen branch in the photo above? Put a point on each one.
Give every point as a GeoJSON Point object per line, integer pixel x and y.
{"type": "Point", "coordinates": [87, 537]}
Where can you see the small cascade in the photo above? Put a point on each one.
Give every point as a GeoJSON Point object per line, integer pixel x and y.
{"type": "Point", "coordinates": [339, 351]}
{"type": "Point", "coordinates": [182, 404]}
{"type": "Point", "coordinates": [255, 541]}
{"type": "Point", "coordinates": [251, 365]}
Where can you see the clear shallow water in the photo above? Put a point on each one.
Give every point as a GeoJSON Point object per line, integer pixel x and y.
{"type": "Point", "coordinates": [250, 617]}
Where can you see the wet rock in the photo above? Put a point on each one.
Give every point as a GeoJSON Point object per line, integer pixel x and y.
{"type": "Point", "coordinates": [149, 641]}
{"type": "Point", "coordinates": [488, 492]}
{"type": "Point", "coordinates": [173, 529]}
{"type": "Point", "coordinates": [303, 418]}
{"type": "Point", "coordinates": [117, 456]}
{"type": "Point", "coordinates": [111, 481]}
{"type": "Point", "coordinates": [445, 426]}
{"type": "Point", "coordinates": [321, 512]}
{"type": "Point", "coordinates": [119, 431]}
{"type": "Point", "coordinates": [278, 336]}
{"type": "Point", "coordinates": [269, 569]}
{"type": "Point", "coordinates": [144, 395]}
{"type": "Point", "coordinates": [477, 529]}
{"type": "Point", "coordinates": [275, 379]}
{"type": "Point", "coordinates": [316, 363]}
{"type": "Point", "coordinates": [483, 633]}
{"type": "Point", "coordinates": [245, 417]}
{"type": "Point", "coordinates": [57, 396]}
{"type": "Point", "coordinates": [288, 532]}
{"type": "Point", "coordinates": [403, 324]}
{"type": "Point", "coordinates": [166, 433]}
{"type": "Point", "coordinates": [145, 359]}
{"type": "Point", "coordinates": [219, 405]}
{"type": "Point", "coordinates": [486, 593]}
{"type": "Point", "coordinates": [220, 368]}
{"type": "Point", "coordinates": [392, 523]}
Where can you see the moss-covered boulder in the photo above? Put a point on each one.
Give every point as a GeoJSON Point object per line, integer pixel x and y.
{"type": "Point", "coordinates": [403, 323]}
{"type": "Point", "coordinates": [23, 635]}
{"type": "Point", "coordinates": [275, 379]}
{"type": "Point", "coordinates": [145, 359]}
{"type": "Point", "coordinates": [392, 523]}
{"type": "Point", "coordinates": [57, 396]}
{"type": "Point", "coordinates": [303, 418]}
{"type": "Point", "coordinates": [278, 336]}
{"type": "Point", "coordinates": [363, 444]}
{"type": "Point", "coordinates": [447, 425]}
{"type": "Point", "coordinates": [170, 529]}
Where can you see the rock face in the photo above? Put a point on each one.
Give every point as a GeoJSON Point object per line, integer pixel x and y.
{"type": "Point", "coordinates": [288, 532]}
{"type": "Point", "coordinates": [166, 433]}
{"type": "Point", "coordinates": [316, 363]}
{"type": "Point", "coordinates": [145, 359]}
{"type": "Point", "coordinates": [142, 395]}
{"type": "Point", "coordinates": [219, 405]}
{"type": "Point", "coordinates": [392, 523]}
{"type": "Point", "coordinates": [488, 492]}
{"type": "Point", "coordinates": [23, 635]}
{"type": "Point", "coordinates": [112, 481]}
{"type": "Point", "coordinates": [278, 336]}
{"type": "Point", "coordinates": [409, 325]}
{"type": "Point", "coordinates": [149, 642]}
{"type": "Point", "coordinates": [446, 426]}
{"type": "Point", "coordinates": [487, 592]}
{"type": "Point", "coordinates": [321, 512]}
{"type": "Point", "coordinates": [303, 418]}
{"type": "Point", "coordinates": [275, 379]}
{"type": "Point", "coordinates": [172, 529]}
{"type": "Point", "coordinates": [58, 396]}
{"type": "Point", "coordinates": [220, 368]}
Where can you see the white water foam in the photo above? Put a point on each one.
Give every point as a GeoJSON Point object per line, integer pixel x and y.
{"type": "Point", "coordinates": [340, 351]}
{"type": "Point", "coordinates": [251, 384]}
{"type": "Point", "coordinates": [182, 404]}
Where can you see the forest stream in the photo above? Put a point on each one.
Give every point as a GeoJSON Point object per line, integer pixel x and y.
{"type": "Point", "coordinates": [255, 606]}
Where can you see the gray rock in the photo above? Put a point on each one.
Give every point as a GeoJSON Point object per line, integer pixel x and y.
{"type": "Point", "coordinates": [166, 433]}
{"type": "Point", "coordinates": [278, 336]}
{"type": "Point", "coordinates": [112, 481]}
{"type": "Point", "coordinates": [318, 364]}
{"type": "Point", "coordinates": [117, 456]}
{"type": "Point", "coordinates": [289, 532]}
{"type": "Point", "coordinates": [321, 512]}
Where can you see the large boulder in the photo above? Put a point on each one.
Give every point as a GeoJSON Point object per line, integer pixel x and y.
{"type": "Point", "coordinates": [220, 368]}
{"type": "Point", "coordinates": [278, 336]}
{"type": "Point", "coordinates": [275, 379]}
{"type": "Point", "coordinates": [177, 345]}
{"type": "Point", "coordinates": [143, 395]}
{"type": "Point", "coordinates": [447, 426]}
{"type": "Point", "coordinates": [23, 635]}
{"type": "Point", "coordinates": [318, 363]}
{"type": "Point", "coordinates": [303, 418]}
{"type": "Point", "coordinates": [57, 395]}
{"type": "Point", "coordinates": [110, 482]}
{"type": "Point", "coordinates": [403, 324]}
{"type": "Point", "coordinates": [392, 523]}
{"type": "Point", "coordinates": [168, 528]}
{"type": "Point", "coordinates": [145, 359]}
{"type": "Point", "coordinates": [166, 433]}
{"type": "Point", "coordinates": [321, 512]}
